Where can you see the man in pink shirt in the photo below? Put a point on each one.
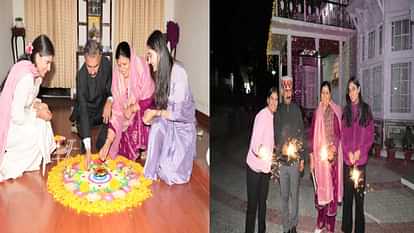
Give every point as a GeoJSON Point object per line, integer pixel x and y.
{"type": "Point", "coordinates": [259, 159]}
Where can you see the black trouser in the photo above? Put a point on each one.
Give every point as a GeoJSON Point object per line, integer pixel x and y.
{"type": "Point", "coordinates": [350, 192]}
{"type": "Point", "coordinates": [257, 190]}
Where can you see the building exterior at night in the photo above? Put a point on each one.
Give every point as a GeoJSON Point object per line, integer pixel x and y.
{"type": "Point", "coordinates": [385, 64]}
{"type": "Point", "coordinates": [314, 43]}
{"type": "Point", "coordinates": [335, 40]}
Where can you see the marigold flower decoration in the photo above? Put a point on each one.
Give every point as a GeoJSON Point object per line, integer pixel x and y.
{"type": "Point", "coordinates": [121, 188]}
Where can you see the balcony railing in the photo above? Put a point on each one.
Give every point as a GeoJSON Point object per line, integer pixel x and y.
{"type": "Point", "coordinates": [331, 13]}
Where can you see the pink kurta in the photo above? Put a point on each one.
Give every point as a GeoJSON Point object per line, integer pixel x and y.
{"type": "Point", "coordinates": [325, 189]}
{"type": "Point", "coordinates": [131, 133]}
{"type": "Point", "coordinates": [262, 135]}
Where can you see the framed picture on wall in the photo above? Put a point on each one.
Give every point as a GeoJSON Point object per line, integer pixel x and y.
{"type": "Point", "coordinates": [94, 20]}
{"type": "Point", "coordinates": [94, 28]}
{"type": "Point", "coordinates": [95, 7]}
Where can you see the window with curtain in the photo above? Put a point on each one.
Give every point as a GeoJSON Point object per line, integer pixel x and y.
{"type": "Point", "coordinates": [401, 87]}
{"type": "Point", "coordinates": [371, 44]}
{"type": "Point", "coordinates": [136, 19]}
{"type": "Point", "coordinates": [366, 86]}
{"type": "Point", "coordinates": [378, 80]}
{"type": "Point", "coordinates": [401, 35]}
{"type": "Point", "coordinates": [56, 19]}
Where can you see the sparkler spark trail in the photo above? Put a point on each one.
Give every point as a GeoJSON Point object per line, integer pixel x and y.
{"type": "Point", "coordinates": [292, 148]}
{"type": "Point", "coordinates": [355, 176]}
{"type": "Point", "coordinates": [290, 151]}
{"type": "Point", "coordinates": [265, 153]}
{"type": "Point", "coordinates": [324, 153]}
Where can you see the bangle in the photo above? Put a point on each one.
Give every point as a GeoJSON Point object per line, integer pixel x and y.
{"type": "Point", "coordinates": [159, 113]}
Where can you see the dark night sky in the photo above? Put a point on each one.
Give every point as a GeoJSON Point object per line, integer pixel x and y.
{"type": "Point", "coordinates": [239, 31]}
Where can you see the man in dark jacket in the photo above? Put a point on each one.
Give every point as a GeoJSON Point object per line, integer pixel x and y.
{"type": "Point", "coordinates": [288, 127]}
{"type": "Point", "coordinates": [93, 102]}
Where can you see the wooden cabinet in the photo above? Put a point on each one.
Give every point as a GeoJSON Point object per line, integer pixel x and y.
{"type": "Point", "coordinates": [16, 33]}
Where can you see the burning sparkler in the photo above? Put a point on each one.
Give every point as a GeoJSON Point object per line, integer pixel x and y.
{"type": "Point", "coordinates": [355, 176]}
{"type": "Point", "coordinates": [265, 153]}
{"type": "Point", "coordinates": [292, 149]}
{"type": "Point", "coordinates": [324, 153]}
{"type": "Point", "coordinates": [315, 185]}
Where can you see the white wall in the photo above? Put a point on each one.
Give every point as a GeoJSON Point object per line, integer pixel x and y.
{"type": "Point", "coordinates": [169, 10]}
{"type": "Point", "coordinates": [193, 47]}
{"type": "Point", "coordinates": [397, 5]}
{"type": "Point", "coordinates": [18, 9]}
{"type": "Point", "coordinates": [6, 17]}
{"type": "Point", "coordinates": [394, 10]}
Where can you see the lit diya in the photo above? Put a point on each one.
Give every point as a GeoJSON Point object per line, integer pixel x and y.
{"type": "Point", "coordinates": [60, 144]}
{"type": "Point", "coordinates": [60, 140]}
{"type": "Point", "coordinates": [100, 171]}
{"type": "Point", "coordinates": [109, 187]}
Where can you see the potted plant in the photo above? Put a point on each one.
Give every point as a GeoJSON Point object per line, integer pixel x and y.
{"type": "Point", "coordinates": [408, 144]}
{"type": "Point", "coordinates": [377, 150]}
{"type": "Point", "coordinates": [19, 22]}
{"type": "Point", "coordinates": [390, 145]}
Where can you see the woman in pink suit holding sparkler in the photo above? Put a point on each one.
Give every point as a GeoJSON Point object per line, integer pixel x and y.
{"type": "Point", "coordinates": [259, 159]}
{"type": "Point", "coordinates": [326, 159]}
{"type": "Point", "coordinates": [357, 138]}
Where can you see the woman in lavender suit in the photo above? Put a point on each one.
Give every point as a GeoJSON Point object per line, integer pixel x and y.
{"type": "Point", "coordinates": [172, 137]}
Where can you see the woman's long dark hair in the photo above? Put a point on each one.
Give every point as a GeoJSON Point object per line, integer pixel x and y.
{"type": "Point", "coordinates": [162, 76]}
{"type": "Point", "coordinates": [364, 112]}
{"type": "Point", "coordinates": [42, 45]}
{"type": "Point", "coordinates": [327, 84]}
{"type": "Point", "coordinates": [123, 49]}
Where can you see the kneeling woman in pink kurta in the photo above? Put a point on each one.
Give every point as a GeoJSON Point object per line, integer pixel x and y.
{"type": "Point", "coordinates": [326, 159]}
{"type": "Point", "coordinates": [132, 89]}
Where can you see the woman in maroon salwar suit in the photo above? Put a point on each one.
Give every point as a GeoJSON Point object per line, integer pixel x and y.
{"type": "Point", "coordinates": [132, 90]}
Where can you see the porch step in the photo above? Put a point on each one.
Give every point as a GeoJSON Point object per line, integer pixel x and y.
{"type": "Point", "coordinates": [408, 181]}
